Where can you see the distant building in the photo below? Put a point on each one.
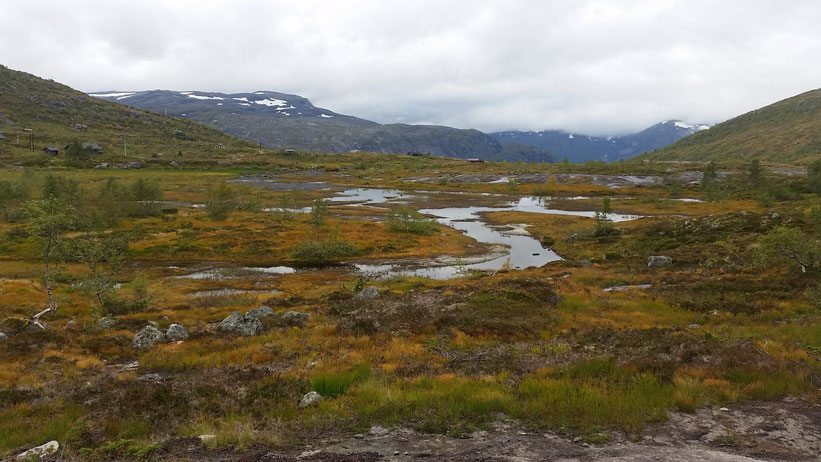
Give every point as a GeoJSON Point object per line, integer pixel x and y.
{"type": "Point", "coordinates": [51, 150]}
{"type": "Point", "coordinates": [220, 146]}
{"type": "Point", "coordinates": [290, 151]}
{"type": "Point", "coordinates": [476, 161]}
{"type": "Point", "coordinates": [354, 151]}
{"type": "Point", "coordinates": [93, 148]}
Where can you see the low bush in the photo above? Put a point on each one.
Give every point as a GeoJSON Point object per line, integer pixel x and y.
{"type": "Point", "coordinates": [410, 221]}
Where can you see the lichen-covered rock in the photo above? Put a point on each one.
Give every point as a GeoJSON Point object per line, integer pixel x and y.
{"type": "Point", "coordinates": [310, 399]}
{"type": "Point", "coordinates": [260, 312]}
{"type": "Point", "coordinates": [176, 333]}
{"type": "Point", "coordinates": [40, 452]}
{"type": "Point", "coordinates": [238, 324]}
{"type": "Point", "coordinates": [295, 318]}
{"type": "Point", "coordinates": [658, 261]}
{"type": "Point", "coordinates": [147, 337]}
{"type": "Point", "coordinates": [106, 323]}
{"type": "Point", "coordinates": [369, 293]}
{"type": "Point", "coordinates": [3, 337]}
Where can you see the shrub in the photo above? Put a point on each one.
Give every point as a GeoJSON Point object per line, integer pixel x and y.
{"type": "Point", "coordinates": [221, 202]}
{"type": "Point", "coordinates": [336, 384]}
{"type": "Point", "coordinates": [319, 252]}
{"type": "Point", "coordinates": [410, 221]}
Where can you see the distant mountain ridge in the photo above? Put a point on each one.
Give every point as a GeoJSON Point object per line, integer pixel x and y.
{"type": "Point", "coordinates": [786, 131]}
{"type": "Point", "coordinates": [581, 148]}
{"type": "Point", "coordinates": [284, 121]}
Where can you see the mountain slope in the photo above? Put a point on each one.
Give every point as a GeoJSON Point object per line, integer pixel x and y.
{"type": "Point", "coordinates": [56, 114]}
{"type": "Point", "coordinates": [786, 131]}
{"type": "Point", "coordinates": [284, 121]}
{"type": "Point", "coordinates": [582, 148]}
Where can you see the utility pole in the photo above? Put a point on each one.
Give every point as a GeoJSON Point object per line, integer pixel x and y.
{"type": "Point", "coordinates": [125, 144]}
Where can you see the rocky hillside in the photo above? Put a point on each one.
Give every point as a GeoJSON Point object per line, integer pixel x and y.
{"type": "Point", "coordinates": [284, 121]}
{"type": "Point", "coordinates": [54, 114]}
{"type": "Point", "coordinates": [581, 148]}
{"type": "Point", "coordinates": [787, 131]}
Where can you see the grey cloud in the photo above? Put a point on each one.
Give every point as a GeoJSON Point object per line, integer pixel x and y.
{"type": "Point", "coordinates": [598, 67]}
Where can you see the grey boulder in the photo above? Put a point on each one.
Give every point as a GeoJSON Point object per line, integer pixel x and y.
{"type": "Point", "coordinates": [658, 261]}
{"type": "Point", "coordinates": [3, 337]}
{"type": "Point", "coordinates": [260, 312]}
{"type": "Point", "coordinates": [176, 333]}
{"type": "Point", "coordinates": [106, 323]}
{"type": "Point", "coordinates": [295, 318]}
{"type": "Point", "coordinates": [238, 324]}
{"type": "Point", "coordinates": [40, 452]}
{"type": "Point", "coordinates": [310, 399]}
{"type": "Point", "coordinates": [147, 337]}
{"type": "Point", "coordinates": [369, 293]}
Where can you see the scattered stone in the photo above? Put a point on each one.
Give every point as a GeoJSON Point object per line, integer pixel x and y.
{"type": "Point", "coordinates": [137, 164]}
{"type": "Point", "coordinates": [3, 337]}
{"type": "Point", "coordinates": [775, 216]}
{"type": "Point", "coordinates": [744, 213]}
{"type": "Point", "coordinates": [206, 438]}
{"type": "Point", "coordinates": [694, 326]}
{"type": "Point", "coordinates": [40, 452]}
{"type": "Point", "coordinates": [147, 337]}
{"type": "Point", "coordinates": [572, 238]}
{"type": "Point", "coordinates": [70, 325]}
{"type": "Point", "coordinates": [295, 318]}
{"type": "Point", "coordinates": [163, 318]}
{"type": "Point", "coordinates": [260, 312]}
{"type": "Point", "coordinates": [585, 262]}
{"type": "Point", "coordinates": [310, 399]}
{"type": "Point", "coordinates": [369, 293]}
{"type": "Point", "coordinates": [658, 261]}
{"type": "Point", "coordinates": [102, 166]}
{"type": "Point", "coordinates": [724, 409]}
{"type": "Point", "coordinates": [176, 333]}
{"type": "Point", "coordinates": [376, 430]}
{"type": "Point", "coordinates": [106, 323]}
{"type": "Point", "coordinates": [154, 323]}
{"type": "Point", "coordinates": [238, 324]}
{"type": "Point", "coordinates": [175, 163]}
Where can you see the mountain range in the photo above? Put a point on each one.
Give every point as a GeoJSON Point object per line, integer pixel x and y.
{"type": "Point", "coordinates": [580, 148]}
{"type": "Point", "coordinates": [285, 121]}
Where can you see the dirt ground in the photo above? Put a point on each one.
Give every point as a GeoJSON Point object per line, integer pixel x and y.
{"type": "Point", "coordinates": [783, 430]}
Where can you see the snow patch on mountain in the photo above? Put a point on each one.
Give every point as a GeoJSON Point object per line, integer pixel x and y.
{"type": "Point", "coordinates": [272, 102]}
{"type": "Point", "coordinates": [113, 95]}
{"type": "Point", "coordinates": [191, 95]}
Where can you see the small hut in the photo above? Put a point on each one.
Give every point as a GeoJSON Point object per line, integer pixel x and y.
{"type": "Point", "coordinates": [51, 150]}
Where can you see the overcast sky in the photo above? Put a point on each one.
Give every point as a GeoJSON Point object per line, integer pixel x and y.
{"type": "Point", "coordinates": [594, 67]}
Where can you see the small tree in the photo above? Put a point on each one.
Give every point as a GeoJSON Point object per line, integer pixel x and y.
{"type": "Point", "coordinates": [319, 212]}
{"type": "Point", "coordinates": [11, 195]}
{"type": "Point", "coordinates": [103, 255]}
{"type": "Point", "coordinates": [814, 177]}
{"type": "Point", "coordinates": [75, 151]}
{"type": "Point", "coordinates": [755, 175]}
{"type": "Point", "coordinates": [50, 219]}
{"type": "Point", "coordinates": [709, 176]}
{"type": "Point", "coordinates": [221, 202]}
{"type": "Point", "coordinates": [783, 243]}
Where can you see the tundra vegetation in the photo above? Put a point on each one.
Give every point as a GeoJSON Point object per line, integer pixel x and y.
{"type": "Point", "coordinates": [90, 257]}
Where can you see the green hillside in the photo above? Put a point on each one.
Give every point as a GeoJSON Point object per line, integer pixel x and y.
{"type": "Point", "coordinates": [57, 114]}
{"type": "Point", "coordinates": [785, 132]}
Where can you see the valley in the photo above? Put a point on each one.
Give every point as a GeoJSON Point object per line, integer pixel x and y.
{"type": "Point", "coordinates": [197, 296]}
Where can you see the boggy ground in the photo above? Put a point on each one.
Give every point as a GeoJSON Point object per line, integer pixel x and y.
{"type": "Point", "coordinates": [480, 367]}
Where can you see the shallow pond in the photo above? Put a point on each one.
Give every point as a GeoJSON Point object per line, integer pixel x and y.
{"type": "Point", "coordinates": [521, 250]}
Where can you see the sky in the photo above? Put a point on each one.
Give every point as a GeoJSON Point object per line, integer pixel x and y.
{"type": "Point", "coordinates": [595, 67]}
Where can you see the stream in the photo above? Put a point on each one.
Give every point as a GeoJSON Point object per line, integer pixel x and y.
{"type": "Point", "coordinates": [515, 248]}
